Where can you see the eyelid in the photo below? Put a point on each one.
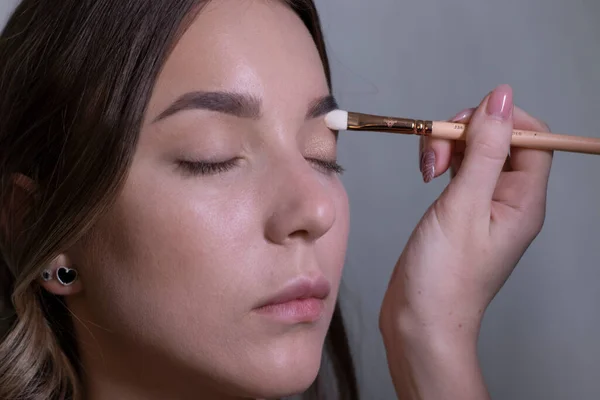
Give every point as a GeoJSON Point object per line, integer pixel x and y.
{"type": "Point", "coordinates": [322, 146]}
{"type": "Point", "coordinates": [206, 167]}
{"type": "Point", "coordinates": [331, 166]}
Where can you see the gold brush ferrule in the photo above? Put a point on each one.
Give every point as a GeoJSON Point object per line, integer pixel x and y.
{"type": "Point", "coordinates": [367, 122]}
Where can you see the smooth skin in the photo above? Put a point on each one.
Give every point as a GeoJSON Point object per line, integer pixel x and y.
{"type": "Point", "coordinates": [171, 277]}
{"type": "Point", "coordinates": [462, 252]}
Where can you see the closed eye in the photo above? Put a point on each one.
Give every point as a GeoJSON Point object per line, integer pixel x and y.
{"type": "Point", "coordinates": [205, 168]}
{"type": "Point", "coordinates": [329, 166]}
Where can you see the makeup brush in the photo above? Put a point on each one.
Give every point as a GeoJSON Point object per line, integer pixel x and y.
{"type": "Point", "coordinates": [339, 120]}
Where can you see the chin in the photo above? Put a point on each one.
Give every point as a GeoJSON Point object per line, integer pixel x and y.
{"type": "Point", "coordinates": [284, 371]}
{"type": "Point", "coordinates": [296, 380]}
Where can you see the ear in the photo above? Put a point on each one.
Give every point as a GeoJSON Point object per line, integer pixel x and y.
{"type": "Point", "coordinates": [61, 278]}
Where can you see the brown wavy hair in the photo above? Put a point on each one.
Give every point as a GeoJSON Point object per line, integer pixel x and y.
{"type": "Point", "coordinates": [75, 80]}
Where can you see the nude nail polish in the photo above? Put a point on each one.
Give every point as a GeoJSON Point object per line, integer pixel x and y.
{"type": "Point", "coordinates": [463, 115]}
{"type": "Point", "coordinates": [500, 103]}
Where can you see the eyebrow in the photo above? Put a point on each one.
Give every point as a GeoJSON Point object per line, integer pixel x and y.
{"type": "Point", "coordinates": [322, 106]}
{"type": "Point", "coordinates": [238, 104]}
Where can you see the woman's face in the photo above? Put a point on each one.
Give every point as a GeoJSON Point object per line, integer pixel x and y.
{"type": "Point", "coordinates": [231, 204]}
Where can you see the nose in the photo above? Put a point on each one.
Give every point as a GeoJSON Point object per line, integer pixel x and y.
{"type": "Point", "coordinates": [303, 205]}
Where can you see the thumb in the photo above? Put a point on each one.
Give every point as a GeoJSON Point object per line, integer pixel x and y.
{"type": "Point", "coordinates": [487, 146]}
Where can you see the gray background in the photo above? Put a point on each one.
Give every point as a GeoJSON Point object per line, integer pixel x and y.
{"type": "Point", "coordinates": [430, 59]}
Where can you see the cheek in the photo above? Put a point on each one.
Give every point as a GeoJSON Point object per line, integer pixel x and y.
{"type": "Point", "coordinates": [332, 246]}
{"type": "Point", "coordinates": [173, 263]}
{"type": "Point", "coordinates": [174, 260]}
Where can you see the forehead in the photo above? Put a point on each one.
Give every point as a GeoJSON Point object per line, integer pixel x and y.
{"type": "Point", "coordinates": [259, 47]}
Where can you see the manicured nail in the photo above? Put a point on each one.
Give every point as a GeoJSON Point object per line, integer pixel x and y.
{"type": "Point", "coordinates": [421, 147]}
{"type": "Point", "coordinates": [428, 165]}
{"type": "Point", "coordinates": [463, 115]}
{"type": "Point", "coordinates": [500, 103]}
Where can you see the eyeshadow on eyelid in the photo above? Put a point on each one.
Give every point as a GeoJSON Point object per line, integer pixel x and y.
{"type": "Point", "coordinates": [322, 147]}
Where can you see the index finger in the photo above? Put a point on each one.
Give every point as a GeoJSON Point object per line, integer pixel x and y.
{"type": "Point", "coordinates": [535, 163]}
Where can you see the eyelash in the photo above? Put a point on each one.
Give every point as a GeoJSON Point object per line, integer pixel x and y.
{"type": "Point", "coordinates": [330, 166]}
{"type": "Point", "coordinates": [208, 168]}
{"type": "Point", "coordinates": [205, 168]}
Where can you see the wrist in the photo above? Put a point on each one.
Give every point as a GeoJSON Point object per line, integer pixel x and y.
{"type": "Point", "coordinates": [438, 332]}
{"type": "Point", "coordinates": [430, 361]}
{"type": "Point", "coordinates": [438, 343]}
{"type": "Point", "coordinates": [436, 367]}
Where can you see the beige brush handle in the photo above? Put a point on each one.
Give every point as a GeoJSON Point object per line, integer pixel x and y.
{"type": "Point", "coordinates": [527, 139]}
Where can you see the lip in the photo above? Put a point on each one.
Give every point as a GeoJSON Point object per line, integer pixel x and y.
{"type": "Point", "coordinates": [302, 300]}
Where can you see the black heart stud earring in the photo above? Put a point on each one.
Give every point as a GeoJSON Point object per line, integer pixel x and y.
{"type": "Point", "coordinates": [66, 276]}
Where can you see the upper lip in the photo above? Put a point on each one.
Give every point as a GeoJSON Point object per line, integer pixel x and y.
{"type": "Point", "coordinates": [300, 288]}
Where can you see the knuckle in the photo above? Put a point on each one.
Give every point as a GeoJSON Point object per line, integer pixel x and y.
{"type": "Point", "coordinates": [384, 323]}
{"type": "Point", "coordinates": [534, 217]}
{"type": "Point", "coordinates": [538, 209]}
{"type": "Point", "coordinates": [533, 229]}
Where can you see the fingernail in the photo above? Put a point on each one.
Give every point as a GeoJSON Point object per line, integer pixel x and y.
{"type": "Point", "coordinates": [421, 147]}
{"type": "Point", "coordinates": [463, 115]}
{"type": "Point", "coordinates": [428, 165]}
{"type": "Point", "coordinates": [500, 103]}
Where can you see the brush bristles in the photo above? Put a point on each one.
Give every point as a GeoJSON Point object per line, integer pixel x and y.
{"type": "Point", "coordinates": [337, 120]}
